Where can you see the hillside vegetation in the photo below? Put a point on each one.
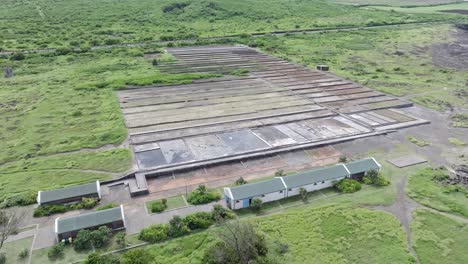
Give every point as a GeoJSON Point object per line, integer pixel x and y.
{"type": "Point", "coordinates": [61, 23]}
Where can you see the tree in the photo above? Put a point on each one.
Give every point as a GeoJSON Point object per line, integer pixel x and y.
{"type": "Point", "coordinates": [256, 204]}
{"type": "Point", "coordinates": [137, 256]}
{"type": "Point", "coordinates": [9, 222]}
{"type": "Point", "coordinates": [240, 244]}
{"type": "Point", "coordinates": [304, 194]}
{"type": "Point", "coordinates": [220, 213]}
{"type": "Point", "coordinates": [56, 251]}
{"type": "Point", "coordinates": [83, 240]}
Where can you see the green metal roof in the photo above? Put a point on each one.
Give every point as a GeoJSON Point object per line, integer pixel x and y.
{"type": "Point", "coordinates": [257, 188]}
{"type": "Point", "coordinates": [68, 192]}
{"type": "Point", "coordinates": [361, 166]}
{"type": "Point", "coordinates": [88, 220]}
{"type": "Point", "coordinates": [312, 176]}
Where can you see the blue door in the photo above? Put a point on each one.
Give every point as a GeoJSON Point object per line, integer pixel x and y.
{"type": "Point", "coordinates": [246, 203]}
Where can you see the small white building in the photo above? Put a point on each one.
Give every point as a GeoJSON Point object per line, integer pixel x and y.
{"type": "Point", "coordinates": [281, 187]}
{"type": "Point", "coordinates": [241, 196]}
{"type": "Point", "coordinates": [315, 179]}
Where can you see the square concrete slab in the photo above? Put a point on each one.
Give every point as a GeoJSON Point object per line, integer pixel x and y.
{"type": "Point", "coordinates": [175, 151]}
{"type": "Point", "coordinates": [406, 161]}
{"type": "Point", "coordinates": [273, 136]}
{"type": "Point", "coordinates": [207, 147]}
{"type": "Point", "coordinates": [150, 158]}
{"type": "Point", "coordinates": [242, 141]}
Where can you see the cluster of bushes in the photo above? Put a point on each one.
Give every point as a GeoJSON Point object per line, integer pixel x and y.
{"type": "Point", "coordinates": [375, 178]}
{"type": "Point", "coordinates": [87, 239]}
{"type": "Point", "coordinates": [19, 200]}
{"type": "Point", "coordinates": [46, 210]}
{"type": "Point", "coordinates": [158, 206]}
{"type": "Point", "coordinates": [107, 206]}
{"type": "Point", "coordinates": [348, 186]}
{"type": "Point", "coordinates": [56, 251]}
{"type": "Point", "coordinates": [202, 195]}
{"type": "Point", "coordinates": [181, 226]}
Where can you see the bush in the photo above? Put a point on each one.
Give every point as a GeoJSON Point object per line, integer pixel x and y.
{"type": "Point", "coordinates": [279, 173]}
{"type": "Point", "coordinates": [107, 206]}
{"type": "Point", "coordinates": [56, 251]}
{"type": "Point", "coordinates": [87, 239]}
{"type": "Point", "coordinates": [95, 258]}
{"type": "Point", "coordinates": [19, 200]}
{"type": "Point", "coordinates": [177, 227]}
{"type": "Point", "coordinates": [348, 186]}
{"type": "Point", "coordinates": [46, 210]}
{"type": "Point", "coordinates": [24, 253]}
{"type": "Point", "coordinates": [201, 196]}
{"type": "Point", "coordinates": [121, 239]}
{"type": "Point", "coordinates": [220, 213]}
{"type": "Point", "coordinates": [17, 56]}
{"type": "Point", "coordinates": [375, 178]}
{"type": "Point", "coordinates": [304, 194]}
{"type": "Point", "coordinates": [343, 159]}
{"type": "Point", "coordinates": [256, 204]}
{"type": "Point", "coordinates": [199, 220]}
{"type": "Point", "coordinates": [158, 206]}
{"type": "Point", "coordinates": [2, 258]}
{"type": "Point", "coordinates": [154, 233]}
{"type": "Point", "coordinates": [137, 256]}
{"type": "Point", "coordinates": [240, 181]}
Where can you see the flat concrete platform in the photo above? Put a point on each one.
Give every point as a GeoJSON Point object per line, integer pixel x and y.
{"type": "Point", "coordinates": [277, 107]}
{"type": "Point", "coordinates": [406, 161]}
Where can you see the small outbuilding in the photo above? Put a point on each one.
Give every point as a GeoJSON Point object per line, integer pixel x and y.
{"type": "Point", "coordinates": [358, 169]}
{"type": "Point", "coordinates": [70, 226]}
{"type": "Point", "coordinates": [241, 196]}
{"type": "Point", "coordinates": [315, 179]}
{"type": "Point", "coordinates": [70, 194]}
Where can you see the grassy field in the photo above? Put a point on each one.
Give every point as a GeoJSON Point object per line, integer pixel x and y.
{"type": "Point", "coordinates": [446, 198]}
{"type": "Point", "coordinates": [439, 239]}
{"type": "Point", "coordinates": [424, 9]}
{"type": "Point", "coordinates": [396, 2]}
{"type": "Point", "coordinates": [13, 249]}
{"type": "Point", "coordinates": [60, 23]}
{"type": "Point", "coordinates": [396, 61]}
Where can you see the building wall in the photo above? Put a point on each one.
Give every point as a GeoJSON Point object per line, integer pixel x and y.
{"type": "Point", "coordinates": [312, 187]}
{"type": "Point", "coordinates": [117, 225]}
{"type": "Point", "coordinates": [269, 197]}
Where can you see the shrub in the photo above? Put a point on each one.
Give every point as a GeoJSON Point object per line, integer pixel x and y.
{"type": "Point", "coordinates": [107, 206]}
{"type": "Point", "coordinates": [19, 200]}
{"type": "Point", "coordinates": [375, 178]}
{"type": "Point", "coordinates": [137, 256]}
{"type": "Point", "coordinates": [83, 240]}
{"type": "Point", "coordinates": [343, 159]}
{"type": "Point", "coordinates": [88, 203]}
{"type": "Point", "coordinates": [220, 213]}
{"type": "Point", "coordinates": [158, 206]}
{"type": "Point", "coordinates": [199, 220]}
{"type": "Point", "coordinates": [24, 253]}
{"type": "Point", "coordinates": [2, 258]}
{"type": "Point", "coordinates": [240, 181]}
{"type": "Point", "coordinates": [154, 233]}
{"type": "Point", "coordinates": [121, 239]}
{"type": "Point", "coordinates": [56, 251]}
{"type": "Point", "coordinates": [256, 204]}
{"type": "Point", "coordinates": [279, 173]}
{"type": "Point", "coordinates": [87, 239]}
{"type": "Point", "coordinates": [17, 56]}
{"type": "Point", "coordinates": [177, 227]}
{"type": "Point", "coordinates": [95, 258]}
{"type": "Point", "coordinates": [201, 195]}
{"type": "Point", "coordinates": [348, 186]}
{"type": "Point", "coordinates": [46, 210]}
{"type": "Point", "coordinates": [304, 194]}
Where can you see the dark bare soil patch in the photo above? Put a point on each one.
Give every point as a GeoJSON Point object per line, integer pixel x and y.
{"type": "Point", "coordinates": [454, 54]}
{"type": "Point", "coordinates": [456, 11]}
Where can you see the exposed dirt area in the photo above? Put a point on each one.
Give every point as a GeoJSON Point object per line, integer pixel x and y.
{"type": "Point", "coordinates": [454, 54]}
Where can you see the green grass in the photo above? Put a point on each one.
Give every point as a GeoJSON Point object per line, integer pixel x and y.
{"type": "Point", "coordinates": [172, 203]}
{"type": "Point", "coordinates": [446, 198]}
{"type": "Point", "coordinates": [397, 61]}
{"type": "Point", "coordinates": [43, 173]}
{"type": "Point", "coordinates": [424, 9]}
{"type": "Point", "coordinates": [396, 2]}
{"type": "Point", "coordinates": [112, 21]}
{"type": "Point", "coordinates": [70, 255]}
{"type": "Point", "coordinates": [456, 142]}
{"type": "Point", "coordinates": [460, 120]}
{"type": "Point", "coordinates": [418, 142]}
{"type": "Point", "coordinates": [439, 239]}
{"type": "Point", "coordinates": [13, 249]}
